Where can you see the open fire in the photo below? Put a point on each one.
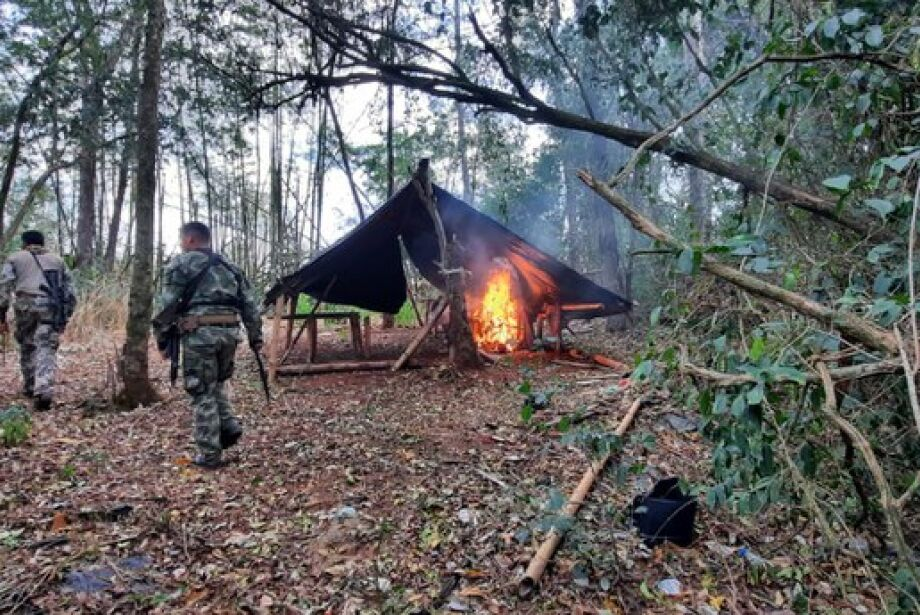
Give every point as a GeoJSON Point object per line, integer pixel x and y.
{"type": "Point", "coordinates": [496, 317]}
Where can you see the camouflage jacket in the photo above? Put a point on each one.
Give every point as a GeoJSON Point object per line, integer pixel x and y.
{"type": "Point", "coordinates": [19, 275]}
{"type": "Point", "coordinates": [223, 289]}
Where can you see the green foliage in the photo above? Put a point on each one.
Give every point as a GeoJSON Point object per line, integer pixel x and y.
{"type": "Point", "coordinates": [15, 426]}
{"type": "Point", "coordinates": [404, 318]}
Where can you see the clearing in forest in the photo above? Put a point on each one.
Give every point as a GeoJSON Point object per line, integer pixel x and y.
{"type": "Point", "coordinates": [420, 491]}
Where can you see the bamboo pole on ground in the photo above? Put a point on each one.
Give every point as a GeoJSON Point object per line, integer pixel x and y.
{"type": "Point", "coordinates": [273, 347]}
{"type": "Point", "coordinates": [528, 585]}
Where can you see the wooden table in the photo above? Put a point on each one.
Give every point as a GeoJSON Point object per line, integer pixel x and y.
{"type": "Point", "coordinates": [311, 320]}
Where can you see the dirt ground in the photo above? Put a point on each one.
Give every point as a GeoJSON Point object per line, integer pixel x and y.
{"type": "Point", "coordinates": [420, 491]}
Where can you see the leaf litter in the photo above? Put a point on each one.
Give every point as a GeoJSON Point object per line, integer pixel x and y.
{"type": "Point", "coordinates": [420, 491]}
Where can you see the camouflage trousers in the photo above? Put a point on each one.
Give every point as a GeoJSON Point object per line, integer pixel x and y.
{"type": "Point", "coordinates": [207, 363]}
{"type": "Point", "coordinates": [38, 345]}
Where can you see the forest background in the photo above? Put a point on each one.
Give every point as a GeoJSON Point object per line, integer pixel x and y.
{"type": "Point", "coordinates": [770, 145]}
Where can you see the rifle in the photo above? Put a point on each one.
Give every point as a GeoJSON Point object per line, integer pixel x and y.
{"type": "Point", "coordinates": [262, 375]}
{"type": "Point", "coordinates": [62, 302]}
{"type": "Point", "coordinates": [169, 339]}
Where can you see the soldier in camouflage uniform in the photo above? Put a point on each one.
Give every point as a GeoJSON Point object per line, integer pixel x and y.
{"type": "Point", "coordinates": [26, 274]}
{"type": "Point", "coordinates": [210, 334]}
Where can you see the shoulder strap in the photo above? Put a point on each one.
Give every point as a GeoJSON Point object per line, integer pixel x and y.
{"type": "Point", "coordinates": [189, 291]}
{"type": "Point", "coordinates": [42, 269]}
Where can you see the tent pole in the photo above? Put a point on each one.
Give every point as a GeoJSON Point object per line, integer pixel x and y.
{"type": "Point", "coordinates": [273, 347]}
{"type": "Point", "coordinates": [413, 346]}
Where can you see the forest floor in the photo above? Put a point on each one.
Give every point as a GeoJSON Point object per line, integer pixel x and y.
{"type": "Point", "coordinates": [420, 491]}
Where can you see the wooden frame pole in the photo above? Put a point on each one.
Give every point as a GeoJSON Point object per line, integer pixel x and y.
{"type": "Point", "coordinates": [415, 343]}
{"type": "Point", "coordinates": [273, 346]}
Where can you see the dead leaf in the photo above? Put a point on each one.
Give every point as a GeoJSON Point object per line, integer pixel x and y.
{"type": "Point", "coordinates": [195, 596]}
{"type": "Point", "coordinates": [472, 592]}
{"type": "Point", "coordinates": [59, 522]}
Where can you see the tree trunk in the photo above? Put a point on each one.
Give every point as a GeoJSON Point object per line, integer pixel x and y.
{"type": "Point", "coordinates": [91, 107]}
{"type": "Point", "coordinates": [135, 369]}
{"type": "Point", "coordinates": [463, 352]}
{"type": "Point", "coordinates": [121, 188]}
{"type": "Point", "coordinates": [121, 184]}
{"type": "Point", "coordinates": [461, 115]}
{"type": "Point", "coordinates": [92, 104]}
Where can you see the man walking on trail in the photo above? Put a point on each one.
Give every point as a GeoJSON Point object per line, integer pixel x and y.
{"type": "Point", "coordinates": [44, 302]}
{"type": "Point", "coordinates": [203, 299]}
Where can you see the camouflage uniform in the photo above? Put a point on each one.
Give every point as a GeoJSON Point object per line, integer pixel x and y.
{"type": "Point", "coordinates": [208, 351]}
{"type": "Point", "coordinates": [35, 332]}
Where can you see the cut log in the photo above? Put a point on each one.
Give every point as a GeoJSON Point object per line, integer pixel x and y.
{"type": "Point", "coordinates": [333, 366]}
{"type": "Point", "coordinates": [529, 584]}
{"type": "Point", "coordinates": [415, 343]}
{"type": "Point", "coordinates": [581, 307]}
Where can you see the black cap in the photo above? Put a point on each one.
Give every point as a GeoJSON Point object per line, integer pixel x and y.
{"type": "Point", "coordinates": [33, 238]}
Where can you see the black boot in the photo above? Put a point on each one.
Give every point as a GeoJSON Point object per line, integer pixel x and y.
{"type": "Point", "coordinates": [230, 434]}
{"type": "Point", "coordinates": [208, 462]}
{"type": "Point", "coordinates": [42, 403]}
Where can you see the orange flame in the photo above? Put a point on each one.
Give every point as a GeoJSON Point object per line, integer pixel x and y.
{"type": "Point", "coordinates": [495, 317]}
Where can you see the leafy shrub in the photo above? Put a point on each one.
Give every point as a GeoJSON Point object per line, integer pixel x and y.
{"type": "Point", "coordinates": [15, 426]}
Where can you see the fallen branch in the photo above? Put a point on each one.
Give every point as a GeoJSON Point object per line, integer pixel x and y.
{"type": "Point", "coordinates": [851, 326]}
{"type": "Point", "coordinates": [850, 372]}
{"type": "Point", "coordinates": [530, 582]}
{"type": "Point", "coordinates": [611, 363]}
{"type": "Point", "coordinates": [887, 501]}
{"type": "Point", "coordinates": [491, 477]}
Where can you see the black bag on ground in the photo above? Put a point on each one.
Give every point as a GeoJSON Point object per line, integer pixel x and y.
{"type": "Point", "coordinates": [665, 514]}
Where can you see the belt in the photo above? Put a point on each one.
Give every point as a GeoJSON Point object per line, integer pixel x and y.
{"type": "Point", "coordinates": [193, 321]}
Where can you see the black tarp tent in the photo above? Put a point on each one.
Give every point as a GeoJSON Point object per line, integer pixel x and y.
{"type": "Point", "coordinates": [364, 268]}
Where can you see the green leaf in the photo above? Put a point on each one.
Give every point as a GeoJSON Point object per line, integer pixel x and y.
{"type": "Point", "coordinates": [853, 17]}
{"type": "Point", "coordinates": [757, 348]}
{"type": "Point", "coordinates": [897, 163]}
{"type": "Point", "coordinates": [882, 207]}
{"type": "Point", "coordinates": [755, 395]}
{"type": "Point", "coordinates": [761, 264]}
{"type": "Point", "coordinates": [879, 252]}
{"type": "Point", "coordinates": [526, 413]}
{"type": "Point", "coordinates": [831, 27]}
{"type": "Point", "coordinates": [739, 405]}
{"type": "Point", "coordinates": [685, 261]}
{"type": "Point", "coordinates": [874, 36]}
{"type": "Point", "coordinates": [839, 184]}
{"type": "Point", "coordinates": [655, 318]}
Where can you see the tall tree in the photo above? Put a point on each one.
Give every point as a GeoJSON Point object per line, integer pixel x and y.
{"type": "Point", "coordinates": [92, 102]}
{"type": "Point", "coordinates": [461, 115]}
{"type": "Point", "coordinates": [135, 369]}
